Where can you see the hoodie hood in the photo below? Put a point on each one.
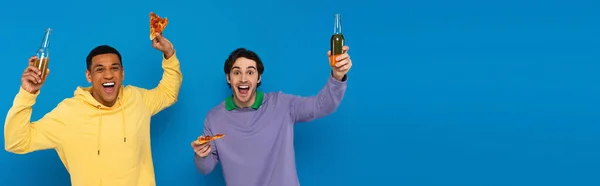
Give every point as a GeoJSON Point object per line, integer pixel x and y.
{"type": "Point", "coordinates": [84, 94]}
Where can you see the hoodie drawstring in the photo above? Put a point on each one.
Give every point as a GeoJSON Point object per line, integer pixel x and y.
{"type": "Point", "coordinates": [99, 128]}
{"type": "Point", "coordinates": [123, 128]}
{"type": "Point", "coordinates": [123, 122]}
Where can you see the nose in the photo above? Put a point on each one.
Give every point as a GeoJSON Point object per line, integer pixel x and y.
{"type": "Point", "coordinates": [244, 78]}
{"type": "Point", "coordinates": [107, 75]}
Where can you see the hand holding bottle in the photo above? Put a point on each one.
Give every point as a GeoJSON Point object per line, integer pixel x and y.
{"type": "Point", "coordinates": [32, 80]}
{"type": "Point", "coordinates": [339, 60]}
{"type": "Point", "coordinates": [342, 64]}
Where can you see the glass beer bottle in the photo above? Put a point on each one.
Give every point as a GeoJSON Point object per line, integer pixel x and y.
{"type": "Point", "coordinates": [43, 54]}
{"type": "Point", "coordinates": [337, 40]}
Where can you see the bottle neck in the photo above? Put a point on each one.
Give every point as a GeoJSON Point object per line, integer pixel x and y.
{"type": "Point", "coordinates": [46, 39]}
{"type": "Point", "coordinates": [337, 26]}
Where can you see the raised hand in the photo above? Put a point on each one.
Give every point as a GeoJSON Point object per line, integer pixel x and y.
{"type": "Point", "coordinates": [32, 80]}
{"type": "Point", "coordinates": [164, 45]}
{"type": "Point", "coordinates": [343, 64]}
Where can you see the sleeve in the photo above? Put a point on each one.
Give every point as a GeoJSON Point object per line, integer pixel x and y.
{"type": "Point", "coordinates": [207, 164]}
{"type": "Point", "coordinates": [305, 109]}
{"type": "Point", "coordinates": [21, 136]}
{"type": "Point", "coordinates": [167, 91]}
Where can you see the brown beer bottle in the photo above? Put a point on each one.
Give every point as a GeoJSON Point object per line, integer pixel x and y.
{"type": "Point", "coordinates": [43, 54]}
{"type": "Point", "coordinates": [337, 40]}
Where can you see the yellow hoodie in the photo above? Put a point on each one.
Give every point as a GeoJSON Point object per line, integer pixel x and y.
{"type": "Point", "coordinates": [98, 145]}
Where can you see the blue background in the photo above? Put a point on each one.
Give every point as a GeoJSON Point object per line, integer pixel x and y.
{"type": "Point", "coordinates": [441, 92]}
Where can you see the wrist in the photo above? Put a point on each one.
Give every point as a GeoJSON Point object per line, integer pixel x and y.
{"type": "Point", "coordinates": [201, 157]}
{"type": "Point", "coordinates": [339, 77]}
{"type": "Point", "coordinates": [168, 54]}
{"type": "Point", "coordinates": [34, 92]}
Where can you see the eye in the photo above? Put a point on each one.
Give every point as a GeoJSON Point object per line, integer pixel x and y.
{"type": "Point", "coordinates": [115, 68]}
{"type": "Point", "coordinates": [236, 73]}
{"type": "Point", "coordinates": [99, 69]}
{"type": "Point", "coordinates": [250, 72]}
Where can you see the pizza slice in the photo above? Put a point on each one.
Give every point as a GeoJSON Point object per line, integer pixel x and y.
{"type": "Point", "coordinates": [157, 24]}
{"type": "Point", "coordinates": [206, 139]}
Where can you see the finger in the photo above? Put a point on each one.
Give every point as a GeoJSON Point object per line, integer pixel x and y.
{"type": "Point", "coordinates": [205, 149]}
{"type": "Point", "coordinates": [329, 53]}
{"type": "Point", "coordinates": [35, 79]}
{"type": "Point", "coordinates": [165, 41]}
{"type": "Point", "coordinates": [208, 150]}
{"type": "Point", "coordinates": [29, 78]}
{"type": "Point", "coordinates": [34, 70]}
{"type": "Point", "coordinates": [344, 67]}
{"type": "Point", "coordinates": [160, 38]}
{"type": "Point", "coordinates": [342, 57]}
{"type": "Point", "coordinates": [345, 49]}
{"type": "Point", "coordinates": [197, 149]}
{"type": "Point", "coordinates": [32, 60]}
{"type": "Point", "coordinates": [46, 75]}
{"type": "Point", "coordinates": [341, 63]}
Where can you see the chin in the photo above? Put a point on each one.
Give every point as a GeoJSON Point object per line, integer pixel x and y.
{"type": "Point", "coordinates": [109, 97]}
{"type": "Point", "coordinates": [242, 99]}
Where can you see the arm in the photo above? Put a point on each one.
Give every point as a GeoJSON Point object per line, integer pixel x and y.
{"type": "Point", "coordinates": [305, 109]}
{"type": "Point", "coordinates": [21, 136]}
{"type": "Point", "coordinates": [167, 91]}
{"type": "Point", "coordinates": [207, 164]}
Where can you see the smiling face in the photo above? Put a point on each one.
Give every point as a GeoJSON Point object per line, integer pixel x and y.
{"type": "Point", "coordinates": [106, 75]}
{"type": "Point", "coordinates": [243, 78]}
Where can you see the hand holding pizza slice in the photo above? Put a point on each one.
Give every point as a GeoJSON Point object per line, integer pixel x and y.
{"type": "Point", "coordinates": [201, 145]}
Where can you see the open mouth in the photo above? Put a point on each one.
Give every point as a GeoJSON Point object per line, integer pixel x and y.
{"type": "Point", "coordinates": [108, 87]}
{"type": "Point", "coordinates": [243, 89]}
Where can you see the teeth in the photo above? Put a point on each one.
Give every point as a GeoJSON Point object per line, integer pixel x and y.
{"type": "Point", "coordinates": [108, 84]}
{"type": "Point", "coordinates": [245, 86]}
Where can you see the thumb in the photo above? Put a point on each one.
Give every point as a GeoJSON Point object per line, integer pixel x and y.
{"type": "Point", "coordinates": [159, 37]}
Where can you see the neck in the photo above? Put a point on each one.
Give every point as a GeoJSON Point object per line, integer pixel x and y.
{"type": "Point", "coordinates": [250, 102]}
{"type": "Point", "coordinates": [105, 103]}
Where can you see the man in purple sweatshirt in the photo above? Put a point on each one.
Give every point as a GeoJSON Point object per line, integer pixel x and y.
{"type": "Point", "coordinates": [258, 146]}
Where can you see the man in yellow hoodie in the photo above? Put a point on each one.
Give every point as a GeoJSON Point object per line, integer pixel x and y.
{"type": "Point", "coordinates": [102, 133]}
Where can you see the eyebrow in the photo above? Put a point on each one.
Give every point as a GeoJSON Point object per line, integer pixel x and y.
{"type": "Point", "coordinates": [249, 67]}
{"type": "Point", "coordinates": [100, 65]}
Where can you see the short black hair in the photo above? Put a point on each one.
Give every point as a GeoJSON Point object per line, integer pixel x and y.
{"type": "Point", "coordinates": [245, 53]}
{"type": "Point", "coordinates": [102, 49]}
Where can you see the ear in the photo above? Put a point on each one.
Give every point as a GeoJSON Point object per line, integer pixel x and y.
{"type": "Point", "coordinates": [227, 77]}
{"type": "Point", "coordinates": [259, 78]}
{"type": "Point", "coordinates": [88, 76]}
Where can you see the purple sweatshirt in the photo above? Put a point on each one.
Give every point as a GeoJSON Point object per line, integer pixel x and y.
{"type": "Point", "coordinates": [258, 147]}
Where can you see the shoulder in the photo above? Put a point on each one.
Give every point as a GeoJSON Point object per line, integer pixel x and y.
{"type": "Point", "coordinates": [130, 89]}
{"type": "Point", "coordinates": [279, 97]}
{"type": "Point", "coordinates": [215, 112]}
{"type": "Point", "coordinates": [66, 108]}
{"type": "Point", "coordinates": [132, 92]}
